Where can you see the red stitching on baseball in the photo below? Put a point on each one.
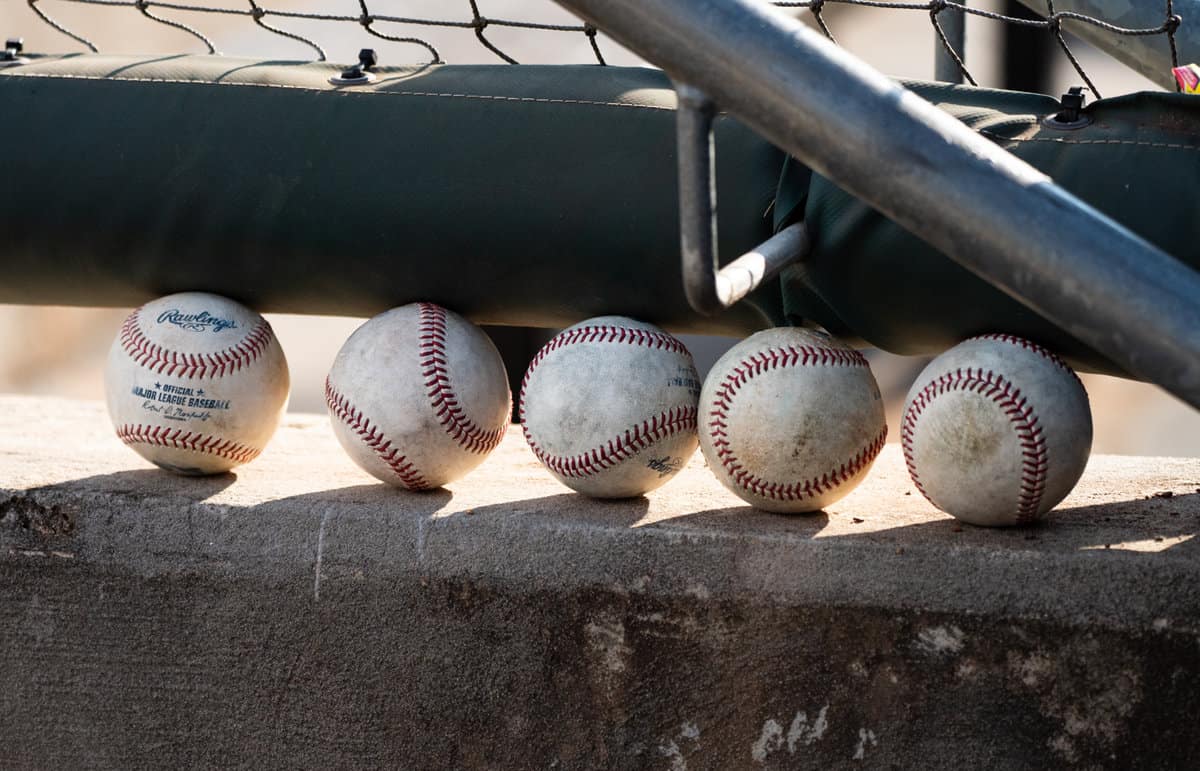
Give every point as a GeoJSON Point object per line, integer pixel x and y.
{"type": "Point", "coordinates": [751, 367]}
{"type": "Point", "coordinates": [177, 438]}
{"type": "Point", "coordinates": [193, 365]}
{"type": "Point", "coordinates": [1029, 345]}
{"type": "Point", "coordinates": [635, 439]}
{"type": "Point", "coordinates": [1034, 459]}
{"type": "Point", "coordinates": [432, 350]}
{"type": "Point", "coordinates": [373, 438]}
{"type": "Point", "coordinates": [618, 449]}
{"type": "Point", "coordinates": [601, 334]}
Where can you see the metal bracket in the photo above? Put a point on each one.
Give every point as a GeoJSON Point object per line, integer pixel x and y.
{"type": "Point", "coordinates": [709, 287]}
{"type": "Point", "coordinates": [359, 74]}
{"type": "Point", "coordinates": [11, 55]}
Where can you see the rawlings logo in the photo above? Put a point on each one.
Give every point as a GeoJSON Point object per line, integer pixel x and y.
{"type": "Point", "coordinates": [196, 322]}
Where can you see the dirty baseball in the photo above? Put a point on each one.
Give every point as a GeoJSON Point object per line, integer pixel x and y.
{"type": "Point", "coordinates": [418, 396]}
{"type": "Point", "coordinates": [791, 420]}
{"type": "Point", "coordinates": [609, 407]}
{"type": "Point", "coordinates": [997, 431]}
{"type": "Point", "coordinates": [196, 383]}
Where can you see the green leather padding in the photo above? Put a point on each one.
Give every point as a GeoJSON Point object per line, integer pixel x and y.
{"type": "Point", "coordinates": [1138, 162]}
{"type": "Point", "coordinates": [515, 195]}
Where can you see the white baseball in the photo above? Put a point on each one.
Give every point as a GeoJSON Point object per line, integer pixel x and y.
{"type": "Point", "coordinates": [792, 420]}
{"type": "Point", "coordinates": [196, 383]}
{"type": "Point", "coordinates": [418, 396]}
{"type": "Point", "coordinates": [609, 406]}
{"type": "Point", "coordinates": [997, 431]}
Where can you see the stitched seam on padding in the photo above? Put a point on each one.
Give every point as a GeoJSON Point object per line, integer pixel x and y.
{"type": "Point", "coordinates": [314, 89]}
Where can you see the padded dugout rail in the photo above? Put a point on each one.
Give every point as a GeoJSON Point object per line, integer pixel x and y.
{"type": "Point", "coordinates": [1137, 160]}
{"type": "Point", "coordinates": [514, 195]}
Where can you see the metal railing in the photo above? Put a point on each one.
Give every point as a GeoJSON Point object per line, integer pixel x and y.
{"type": "Point", "coordinates": [1013, 226]}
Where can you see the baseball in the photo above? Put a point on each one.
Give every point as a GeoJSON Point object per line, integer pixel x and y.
{"type": "Point", "coordinates": [609, 406]}
{"type": "Point", "coordinates": [997, 431]}
{"type": "Point", "coordinates": [196, 383]}
{"type": "Point", "coordinates": [418, 396]}
{"type": "Point", "coordinates": [792, 420]}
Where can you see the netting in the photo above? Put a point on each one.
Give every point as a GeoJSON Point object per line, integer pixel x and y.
{"type": "Point", "coordinates": [473, 19]}
{"type": "Point", "coordinates": [1053, 24]}
{"type": "Point", "coordinates": [466, 15]}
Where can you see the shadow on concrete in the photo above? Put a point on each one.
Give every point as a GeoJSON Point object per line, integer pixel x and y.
{"type": "Point", "coordinates": [146, 482]}
{"type": "Point", "coordinates": [636, 513]}
{"type": "Point", "coordinates": [1146, 537]}
{"type": "Point", "coordinates": [569, 507]}
{"type": "Point", "coordinates": [377, 496]}
{"type": "Point", "coordinates": [1139, 526]}
{"type": "Point", "coordinates": [745, 518]}
{"type": "Point", "coordinates": [156, 484]}
{"type": "Point", "coordinates": [1136, 527]}
{"type": "Point", "coordinates": [1144, 525]}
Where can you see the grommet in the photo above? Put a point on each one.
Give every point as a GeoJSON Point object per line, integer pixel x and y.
{"type": "Point", "coordinates": [11, 55]}
{"type": "Point", "coordinates": [360, 73]}
{"type": "Point", "coordinates": [1070, 113]}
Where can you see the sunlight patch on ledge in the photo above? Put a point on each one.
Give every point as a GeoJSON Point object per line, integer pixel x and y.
{"type": "Point", "coordinates": [1152, 545]}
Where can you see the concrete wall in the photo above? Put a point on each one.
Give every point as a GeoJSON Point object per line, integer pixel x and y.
{"type": "Point", "coordinates": [297, 614]}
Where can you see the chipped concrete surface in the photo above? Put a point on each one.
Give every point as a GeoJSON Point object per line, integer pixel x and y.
{"type": "Point", "coordinates": [941, 639]}
{"type": "Point", "coordinates": [296, 613]}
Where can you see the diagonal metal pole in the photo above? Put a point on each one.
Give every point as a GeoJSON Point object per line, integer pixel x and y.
{"type": "Point", "coordinates": [991, 212]}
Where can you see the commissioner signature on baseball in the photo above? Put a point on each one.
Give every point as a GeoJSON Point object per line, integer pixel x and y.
{"type": "Point", "coordinates": [170, 412]}
{"type": "Point", "coordinates": [665, 466]}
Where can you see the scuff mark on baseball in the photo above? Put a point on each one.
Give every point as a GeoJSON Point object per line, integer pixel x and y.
{"type": "Point", "coordinates": [609, 406]}
{"type": "Point", "coordinates": [791, 420]}
{"type": "Point", "coordinates": [996, 431]}
{"type": "Point", "coordinates": [418, 396]}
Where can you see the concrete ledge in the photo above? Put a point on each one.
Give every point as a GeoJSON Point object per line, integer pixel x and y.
{"type": "Point", "coordinates": [297, 614]}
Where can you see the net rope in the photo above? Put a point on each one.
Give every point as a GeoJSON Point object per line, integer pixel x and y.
{"type": "Point", "coordinates": [1053, 24]}
{"type": "Point", "coordinates": [274, 19]}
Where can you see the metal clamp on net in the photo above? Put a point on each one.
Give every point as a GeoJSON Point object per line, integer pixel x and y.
{"type": "Point", "coordinates": [709, 287]}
